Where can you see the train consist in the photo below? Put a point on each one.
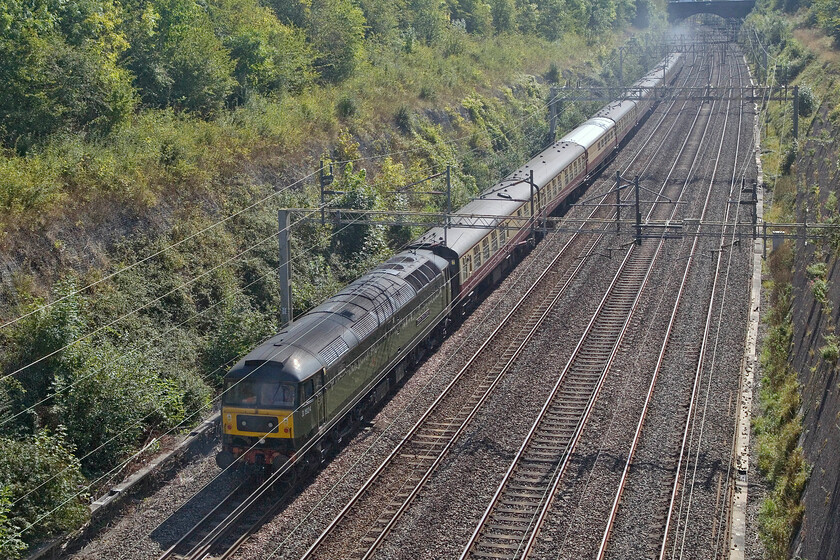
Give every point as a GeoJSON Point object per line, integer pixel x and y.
{"type": "Point", "coordinates": [305, 389]}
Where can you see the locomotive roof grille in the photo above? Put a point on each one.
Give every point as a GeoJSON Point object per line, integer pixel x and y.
{"type": "Point", "coordinates": [333, 351]}
{"type": "Point", "coordinates": [404, 295]}
{"type": "Point", "coordinates": [364, 326]}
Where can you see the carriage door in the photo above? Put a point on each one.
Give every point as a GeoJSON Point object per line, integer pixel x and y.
{"type": "Point", "coordinates": [318, 405]}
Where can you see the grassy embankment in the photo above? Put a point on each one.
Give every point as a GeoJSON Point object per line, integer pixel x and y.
{"type": "Point", "coordinates": [802, 55]}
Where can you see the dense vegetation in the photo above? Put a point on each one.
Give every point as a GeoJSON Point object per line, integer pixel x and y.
{"type": "Point", "coordinates": [187, 118]}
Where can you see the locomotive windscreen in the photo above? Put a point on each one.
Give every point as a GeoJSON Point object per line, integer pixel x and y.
{"type": "Point", "coordinates": [260, 394]}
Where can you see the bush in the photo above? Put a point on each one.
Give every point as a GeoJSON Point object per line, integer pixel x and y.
{"type": "Point", "coordinates": [789, 157]}
{"type": "Point", "coordinates": [817, 270]}
{"type": "Point", "coordinates": [403, 119]}
{"type": "Point", "coordinates": [553, 74]}
{"type": "Point", "coordinates": [347, 107]}
{"type": "Point", "coordinates": [831, 350]}
{"type": "Point", "coordinates": [819, 288]}
{"type": "Point", "coordinates": [41, 478]}
{"type": "Point", "coordinates": [109, 401]}
{"type": "Point", "coordinates": [11, 545]}
{"type": "Point", "coordinates": [807, 101]}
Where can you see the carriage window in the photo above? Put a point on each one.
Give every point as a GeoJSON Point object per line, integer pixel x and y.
{"type": "Point", "coordinates": [494, 242]}
{"type": "Point", "coordinates": [485, 247]}
{"type": "Point", "coordinates": [503, 233]}
{"type": "Point", "coordinates": [477, 256]}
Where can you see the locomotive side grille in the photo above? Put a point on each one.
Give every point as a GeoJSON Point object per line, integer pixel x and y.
{"type": "Point", "coordinates": [366, 325]}
{"type": "Point", "coordinates": [334, 350]}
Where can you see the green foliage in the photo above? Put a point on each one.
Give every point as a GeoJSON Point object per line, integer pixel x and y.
{"type": "Point", "coordinates": [429, 19]}
{"type": "Point", "coordinates": [337, 31]}
{"type": "Point", "coordinates": [356, 241]}
{"type": "Point", "coordinates": [778, 429]}
{"type": "Point", "coordinates": [42, 478]}
{"type": "Point", "coordinates": [176, 56]}
{"type": "Point", "coordinates": [58, 70]}
{"type": "Point", "coordinates": [817, 270]}
{"type": "Point", "coordinates": [271, 58]}
{"type": "Point", "coordinates": [819, 288]}
{"type": "Point", "coordinates": [831, 350]}
{"type": "Point", "coordinates": [239, 328]}
{"type": "Point", "coordinates": [504, 15]}
{"type": "Point", "coordinates": [11, 545]}
{"type": "Point", "coordinates": [403, 119]}
{"type": "Point", "coordinates": [35, 340]}
{"type": "Point", "coordinates": [789, 157]}
{"type": "Point", "coordinates": [347, 107]}
{"type": "Point", "coordinates": [807, 101]}
{"type": "Point", "coordinates": [828, 17]}
{"type": "Point", "coordinates": [108, 401]}
{"type": "Point", "coordinates": [476, 15]}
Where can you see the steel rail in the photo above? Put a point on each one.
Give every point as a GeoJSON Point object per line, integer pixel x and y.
{"type": "Point", "coordinates": [230, 503]}
{"type": "Point", "coordinates": [383, 526]}
{"type": "Point", "coordinates": [695, 386]}
{"type": "Point", "coordinates": [719, 267]}
{"type": "Point", "coordinates": [495, 542]}
{"type": "Point", "coordinates": [657, 369]}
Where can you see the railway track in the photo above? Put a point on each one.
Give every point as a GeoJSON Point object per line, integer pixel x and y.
{"type": "Point", "coordinates": [511, 523]}
{"type": "Point", "coordinates": [508, 526]}
{"type": "Point", "coordinates": [400, 477]}
{"type": "Point", "coordinates": [223, 530]}
{"type": "Point", "coordinates": [390, 490]}
{"type": "Point", "coordinates": [414, 460]}
{"type": "Point", "coordinates": [647, 536]}
{"type": "Point", "coordinates": [667, 354]}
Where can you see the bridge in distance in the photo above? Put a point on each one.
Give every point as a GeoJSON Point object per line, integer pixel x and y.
{"type": "Point", "coordinates": [735, 9]}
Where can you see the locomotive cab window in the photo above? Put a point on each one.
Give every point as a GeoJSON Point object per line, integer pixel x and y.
{"type": "Point", "coordinates": [251, 394]}
{"type": "Point", "coordinates": [277, 395]}
{"type": "Point", "coordinates": [306, 390]}
{"type": "Point", "coordinates": [240, 393]}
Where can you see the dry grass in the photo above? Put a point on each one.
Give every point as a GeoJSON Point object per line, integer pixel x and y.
{"type": "Point", "coordinates": [820, 44]}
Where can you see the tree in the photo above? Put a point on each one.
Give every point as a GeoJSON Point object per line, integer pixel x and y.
{"type": "Point", "coordinates": [357, 242]}
{"type": "Point", "coordinates": [176, 57]}
{"type": "Point", "coordinates": [270, 57]}
{"type": "Point", "coordinates": [32, 348]}
{"type": "Point", "coordinates": [428, 18]}
{"type": "Point", "coordinates": [382, 17]}
{"type": "Point", "coordinates": [336, 28]}
{"type": "Point", "coordinates": [504, 15]}
{"type": "Point", "coordinates": [59, 71]}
